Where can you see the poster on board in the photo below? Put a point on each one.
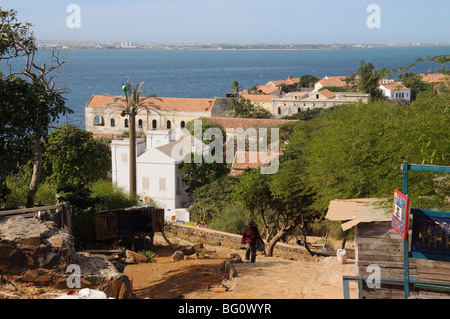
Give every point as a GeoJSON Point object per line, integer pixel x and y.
{"type": "Point", "coordinates": [400, 213]}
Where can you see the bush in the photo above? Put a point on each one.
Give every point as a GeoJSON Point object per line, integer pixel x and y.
{"type": "Point", "coordinates": [112, 197]}
{"type": "Point", "coordinates": [232, 219]}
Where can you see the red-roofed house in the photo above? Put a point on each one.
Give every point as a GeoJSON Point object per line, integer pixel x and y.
{"type": "Point", "coordinates": [291, 83]}
{"type": "Point", "coordinates": [338, 81]}
{"type": "Point", "coordinates": [396, 91]}
{"type": "Point", "coordinates": [169, 113]}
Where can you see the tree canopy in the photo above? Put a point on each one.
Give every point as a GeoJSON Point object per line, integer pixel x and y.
{"type": "Point", "coordinates": [73, 156]}
{"type": "Point", "coordinates": [245, 108]}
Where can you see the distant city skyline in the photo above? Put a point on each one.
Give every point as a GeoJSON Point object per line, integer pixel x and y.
{"type": "Point", "coordinates": [231, 21]}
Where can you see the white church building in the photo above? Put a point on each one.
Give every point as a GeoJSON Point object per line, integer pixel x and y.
{"type": "Point", "coordinates": [159, 179]}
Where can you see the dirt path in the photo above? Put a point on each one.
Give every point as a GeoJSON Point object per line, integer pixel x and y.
{"type": "Point", "coordinates": [268, 278]}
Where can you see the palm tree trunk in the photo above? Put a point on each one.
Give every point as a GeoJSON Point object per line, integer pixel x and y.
{"type": "Point", "coordinates": [132, 154]}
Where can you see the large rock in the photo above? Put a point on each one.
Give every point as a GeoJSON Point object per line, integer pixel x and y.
{"type": "Point", "coordinates": [40, 253]}
{"type": "Point", "coordinates": [27, 243]}
{"type": "Point", "coordinates": [177, 256]}
{"type": "Point", "coordinates": [134, 258]}
{"type": "Point", "coordinates": [100, 273]}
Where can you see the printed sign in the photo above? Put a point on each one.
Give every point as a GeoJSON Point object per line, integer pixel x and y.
{"type": "Point", "coordinates": [400, 213]}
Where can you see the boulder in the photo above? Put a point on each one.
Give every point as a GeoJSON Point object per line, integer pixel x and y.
{"type": "Point", "coordinates": [187, 250]}
{"type": "Point", "coordinates": [177, 256]}
{"type": "Point", "coordinates": [134, 258]}
{"type": "Point", "coordinates": [27, 243]}
{"type": "Point", "coordinates": [118, 287]}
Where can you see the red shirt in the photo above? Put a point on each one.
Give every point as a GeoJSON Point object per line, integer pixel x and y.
{"type": "Point", "coordinates": [251, 235]}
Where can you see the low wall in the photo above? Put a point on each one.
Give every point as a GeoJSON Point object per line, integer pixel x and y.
{"type": "Point", "coordinates": [219, 238]}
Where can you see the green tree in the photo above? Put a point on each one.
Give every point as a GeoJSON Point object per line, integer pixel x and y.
{"type": "Point", "coordinates": [414, 83]}
{"type": "Point", "coordinates": [28, 110]}
{"type": "Point", "coordinates": [199, 174]}
{"type": "Point", "coordinates": [358, 150]}
{"type": "Point", "coordinates": [72, 156]}
{"type": "Point", "coordinates": [17, 38]}
{"type": "Point", "coordinates": [46, 103]}
{"type": "Point", "coordinates": [369, 79]}
{"type": "Point", "coordinates": [235, 88]}
{"type": "Point", "coordinates": [212, 199]}
{"type": "Point", "coordinates": [351, 81]}
{"type": "Point", "coordinates": [283, 87]}
{"type": "Point", "coordinates": [132, 104]}
{"type": "Point", "coordinates": [244, 108]}
{"type": "Point", "coordinates": [277, 200]}
{"type": "Point", "coordinates": [307, 81]}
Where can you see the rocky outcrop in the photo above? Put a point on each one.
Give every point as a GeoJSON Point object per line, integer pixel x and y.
{"type": "Point", "coordinates": [39, 253]}
{"type": "Point", "coordinates": [27, 243]}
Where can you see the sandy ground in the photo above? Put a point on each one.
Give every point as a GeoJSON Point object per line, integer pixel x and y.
{"type": "Point", "coordinates": [202, 277]}
{"type": "Point", "coordinates": [268, 278]}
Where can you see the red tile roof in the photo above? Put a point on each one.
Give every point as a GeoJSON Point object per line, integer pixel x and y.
{"type": "Point", "coordinates": [253, 160]}
{"type": "Point", "coordinates": [289, 81]}
{"type": "Point", "coordinates": [335, 81]}
{"type": "Point", "coordinates": [435, 78]}
{"type": "Point", "coordinates": [164, 103]}
{"type": "Point", "coordinates": [258, 97]}
{"type": "Point", "coordinates": [395, 86]}
{"type": "Point", "coordinates": [245, 123]}
{"type": "Point", "coordinates": [327, 93]}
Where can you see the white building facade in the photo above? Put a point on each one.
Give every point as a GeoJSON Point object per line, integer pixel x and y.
{"type": "Point", "coordinates": [159, 180]}
{"type": "Point", "coordinates": [396, 91]}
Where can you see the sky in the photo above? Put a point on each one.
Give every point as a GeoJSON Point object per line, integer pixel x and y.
{"type": "Point", "coordinates": [238, 21]}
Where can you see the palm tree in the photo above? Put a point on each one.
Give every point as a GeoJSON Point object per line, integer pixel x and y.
{"type": "Point", "coordinates": [131, 105]}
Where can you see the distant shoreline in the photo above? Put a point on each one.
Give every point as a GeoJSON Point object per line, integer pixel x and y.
{"type": "Point", "coordinates": [235, 49]}
{"type": "Point", "coordinates": [103, 45]}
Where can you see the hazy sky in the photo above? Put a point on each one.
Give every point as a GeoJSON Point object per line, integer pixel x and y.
{"type": "Point", "coordinates": [243, 21]}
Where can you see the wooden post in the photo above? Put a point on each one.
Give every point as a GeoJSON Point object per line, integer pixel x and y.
{"type": "Point", "coordinates": [405, 240]}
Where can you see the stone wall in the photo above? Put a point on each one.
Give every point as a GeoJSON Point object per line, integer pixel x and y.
{"type": "Point", "coordinates": [214, 237]}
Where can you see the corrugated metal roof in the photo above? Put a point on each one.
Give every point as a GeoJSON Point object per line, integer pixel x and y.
{"type": "Point", "coordinates": [355, 211]}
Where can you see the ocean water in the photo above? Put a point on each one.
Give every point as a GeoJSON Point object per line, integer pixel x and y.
{"type": "Point", "coordinates": [209, 73]}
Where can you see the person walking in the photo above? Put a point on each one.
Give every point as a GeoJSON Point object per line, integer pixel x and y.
{"type": "Point", "coordinates": [250, 238]}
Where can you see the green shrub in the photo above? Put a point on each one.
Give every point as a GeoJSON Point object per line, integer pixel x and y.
{"type": "Point", "coordinates": [112, 197]}
{"type": "Point", "coordinates": [149, 254]}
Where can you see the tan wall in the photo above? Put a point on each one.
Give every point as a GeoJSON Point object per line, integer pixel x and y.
{"type": "Point", "coordinates": [175, 117]}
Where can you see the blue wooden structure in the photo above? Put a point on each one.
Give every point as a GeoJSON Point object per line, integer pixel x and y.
{"type": "Point", "coordinates": [420, 212]}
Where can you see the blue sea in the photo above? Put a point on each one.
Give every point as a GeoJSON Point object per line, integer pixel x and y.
{"type": "Point", "coordinates": [209, 73]}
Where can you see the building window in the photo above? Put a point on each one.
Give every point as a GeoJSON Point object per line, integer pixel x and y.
{"type": "Point", "coordinates": [113, 122]}
{"type": "Point", "coordinates": [182, 124]}
{"type": "Point", "coordinates": [99, 120]}
{"type": "Point", "coordinates": [162, 184]}
{"type": "Point", "coordinates": [126, 122]}
{"type": "Point", "coordinates": [145, 183]}
{"type": "Point", "coordinates": [168, 124]}
{"type": "Point", "coordinates": [279, 110]}
{"type": "Point", "coordinates": [154, 125]}
{"type": "Point", "coordinates": [299, 109]}
{"type": "Point", "coordinates": [140, 124]}
{"type": "Point", "coordinates": [317, 96]}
